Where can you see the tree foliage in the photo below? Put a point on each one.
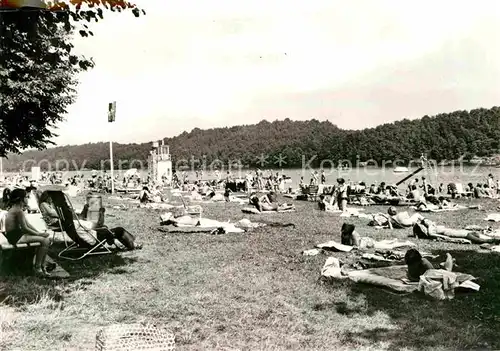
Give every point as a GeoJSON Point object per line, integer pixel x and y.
{"type": "Point", "coordinates": [443, 137]}
{"type": "Point", "coordinates": [38, 68]}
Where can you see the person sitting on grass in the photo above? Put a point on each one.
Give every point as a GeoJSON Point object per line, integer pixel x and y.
{"type": "Point", "coordinates": [145, 196]}
{"type": "Point", "coordinates": [324, 205]}
{"type": "Point", "coordinates": [227, 193]}
{"type": "Point", "coordinates": [18, 230]}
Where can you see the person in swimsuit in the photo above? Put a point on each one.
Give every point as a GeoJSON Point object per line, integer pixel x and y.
{"type": "Point", "coordinates": [342, 194]}
{"type": "Point", "coordinates": [18, 230]}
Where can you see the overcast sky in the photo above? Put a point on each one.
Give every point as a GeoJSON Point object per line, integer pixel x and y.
{"type": "Point", "coordinates": [213, 63]}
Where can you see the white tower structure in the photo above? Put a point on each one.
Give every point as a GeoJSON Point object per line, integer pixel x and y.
{"type": "Point", "coordinates": [160, 163]}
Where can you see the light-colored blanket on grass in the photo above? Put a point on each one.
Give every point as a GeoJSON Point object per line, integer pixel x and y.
{"type": "Point", "coordinates": [253, 210]}
{"type": "Point", "coordinates": [493, 217]}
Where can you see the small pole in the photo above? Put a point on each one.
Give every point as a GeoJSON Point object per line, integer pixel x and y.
{"type": "Point", "coordinates": [112, 174]}
{"type": "Point", "coordinates": [111, 118]}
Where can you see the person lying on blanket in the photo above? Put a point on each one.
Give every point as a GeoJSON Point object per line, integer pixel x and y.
{"type": "Point", "coordinates": [18, 230]}
{"type": "Point", "coordinates": [418, 265]}
{"type": "Point", "coordinates": [427, 229]}
{"type": "Point", "coordinates": [395, 220]}
{"type": "Point", "coordinates": [268, 202]}
{"type": "Point", "coordinates": [350, 237]}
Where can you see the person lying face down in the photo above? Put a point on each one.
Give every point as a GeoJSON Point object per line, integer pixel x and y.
{"type": "Point", "coordinates": [417, 265]}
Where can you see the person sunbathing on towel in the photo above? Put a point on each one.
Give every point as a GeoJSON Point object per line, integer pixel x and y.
{"type": "Point", "coordinates": [428, 229]}
{"type": "Point", "coordinates": [395, 220]}
{"type": "Point", "coordinates": [18, 230]}
{"type": "Point", "coordinates": [418, 265]}
{"type": "Point", "coordinates": [268, 202]}
{"type": "Point", "coordinates": [402, 219]}
{"type": "Point", "coordinates": [350, 237]}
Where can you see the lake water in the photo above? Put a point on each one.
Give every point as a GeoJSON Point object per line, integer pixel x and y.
{"type": "Point", "coordinates": [435, 175]}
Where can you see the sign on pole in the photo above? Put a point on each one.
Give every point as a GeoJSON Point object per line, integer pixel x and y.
{"type": "Point", "coordinates": [112, 111]}
{"type": "Point", "coordinates": [111, 118]}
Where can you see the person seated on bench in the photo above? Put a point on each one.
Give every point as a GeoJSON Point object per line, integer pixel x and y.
{"type": "Point", "coordinates": [18, 230]}
{"type": "Point", "coordinates": [4, 205]}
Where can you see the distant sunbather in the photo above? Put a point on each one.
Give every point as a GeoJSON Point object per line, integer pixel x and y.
{"type": "Point", "coordinates": [428, 229]}
{"type": "Point", "coordinates": [268, 203]}
{"type": "Point", "coordinates": [395, 220]}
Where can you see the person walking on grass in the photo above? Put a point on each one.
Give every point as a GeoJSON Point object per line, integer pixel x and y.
{"type": "Point", "coordinates": [18, 230]}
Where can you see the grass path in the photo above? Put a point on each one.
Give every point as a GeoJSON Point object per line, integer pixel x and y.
{"type": "Point", "coordinates": [252, 291]}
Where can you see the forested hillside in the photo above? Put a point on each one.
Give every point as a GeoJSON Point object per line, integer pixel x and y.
{"type": "Point", "coordinates": [443, 137]}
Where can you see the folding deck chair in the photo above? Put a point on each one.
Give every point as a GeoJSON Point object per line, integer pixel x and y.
{"type": "Point", "coordinates": [67, 219]}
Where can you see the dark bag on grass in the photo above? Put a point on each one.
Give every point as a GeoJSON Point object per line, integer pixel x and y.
{"type": "Point", "coordinates": [420, 231]}
{"type": "Point", "coordinates": [124, 237]}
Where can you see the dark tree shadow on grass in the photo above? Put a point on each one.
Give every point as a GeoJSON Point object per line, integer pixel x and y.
{"type": "Point", "coordinates": [470, 321]}
{"type": "Point", "coordinates": [18, 286]}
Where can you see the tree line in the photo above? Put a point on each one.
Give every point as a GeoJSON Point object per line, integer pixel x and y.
{"type": "Point", "coordinates": [449, 136]}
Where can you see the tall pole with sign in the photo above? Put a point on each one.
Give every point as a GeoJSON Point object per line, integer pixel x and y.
{"type": "Point", "coordinates": [111, 118]}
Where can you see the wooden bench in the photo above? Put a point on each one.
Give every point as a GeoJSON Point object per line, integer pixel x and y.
{"type": "Point", "coordinates": [10, 255]}
{"type": "Point", "coordinates": [7, 249]}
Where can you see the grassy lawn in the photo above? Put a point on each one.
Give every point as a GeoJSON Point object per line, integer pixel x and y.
{"type": "Point", "coordinates": [252, 291]}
